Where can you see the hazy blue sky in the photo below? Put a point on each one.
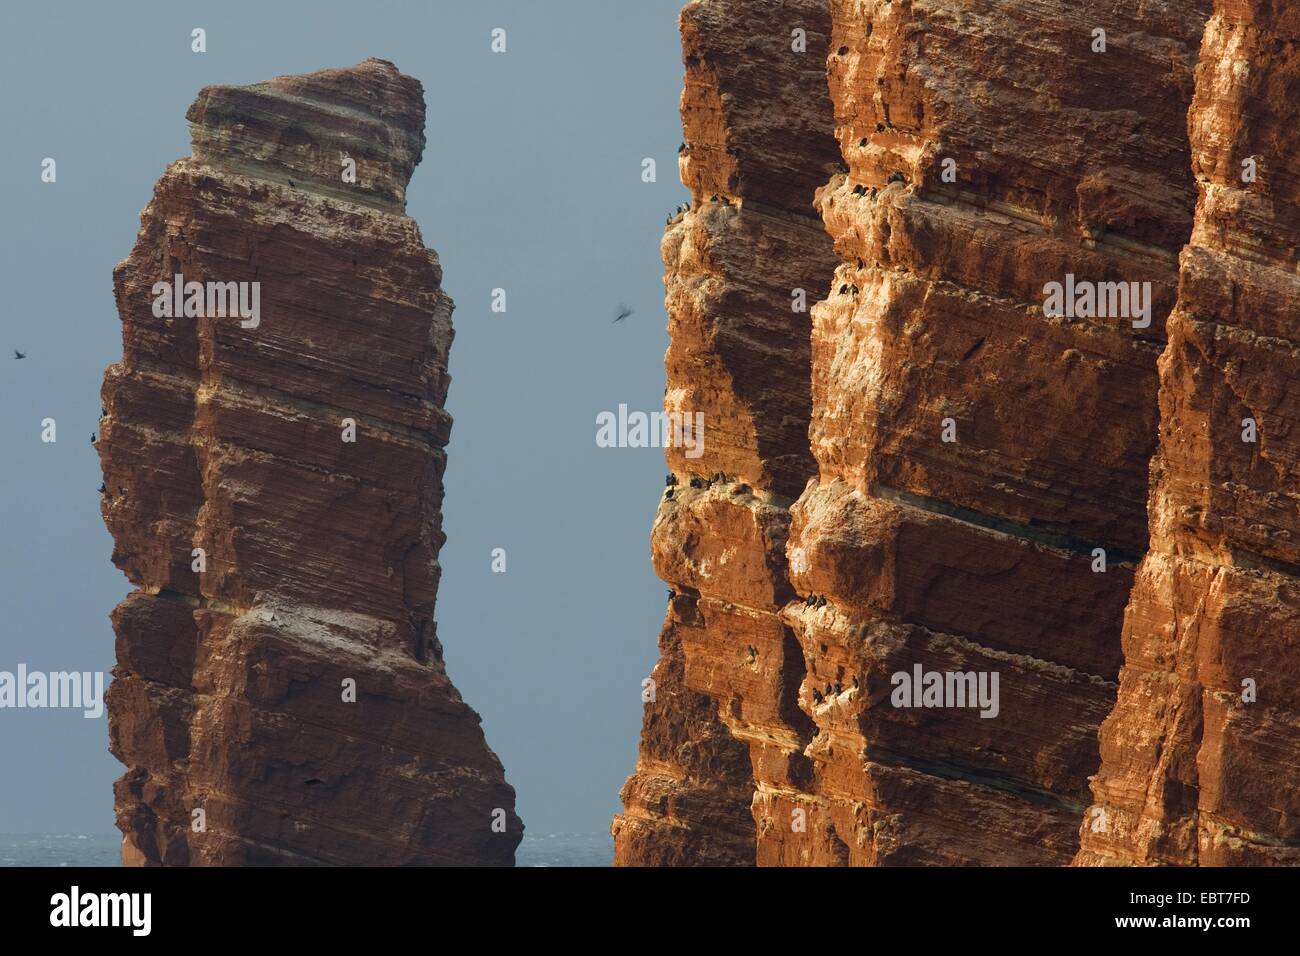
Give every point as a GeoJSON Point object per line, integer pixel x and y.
{"type": "Point", "coordinates": [530, 181]}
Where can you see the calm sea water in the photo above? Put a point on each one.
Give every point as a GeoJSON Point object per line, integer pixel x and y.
{"type": "Point", "coordinates": [101, 849]}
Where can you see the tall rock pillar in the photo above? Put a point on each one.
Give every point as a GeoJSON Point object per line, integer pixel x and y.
{"type": "Point", "coordinates": [742, 265]}
{"type": "Point", "coordinates": [272, 449]}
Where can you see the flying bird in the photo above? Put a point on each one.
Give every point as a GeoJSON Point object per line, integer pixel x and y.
{"type": "Point", "coordinates": [623, 313]}
{"type": "Point", "coordinates": [19, 355]}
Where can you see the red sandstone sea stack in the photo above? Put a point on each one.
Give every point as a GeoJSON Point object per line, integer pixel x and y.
{"type": "Point", "coordinates": [757, 122]}
{"type": "Point", "coordinates": [273, 483]}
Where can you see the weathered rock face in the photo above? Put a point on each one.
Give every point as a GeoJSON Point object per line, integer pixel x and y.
{"type": "Point", "coordinates": [1201, 755]}
{"type": "Point", "coordinates": [977, 456]}
{"type": "Point", "coordinates": [973, 458]}
{"type": "Point", "coordinates": [723, 724]}
{"type": "Point", "coordinates": [278, 666]}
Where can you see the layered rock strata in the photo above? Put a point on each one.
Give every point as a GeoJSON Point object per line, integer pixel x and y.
{"type": "Point", "coordinates": [979, 466]}
{"type": "Point", "coordinates": [1201, 755]}
{"type": "Point", "coordinates": [979, 503]}
{"type": "Point", "coordinates": [742, 263]}
{"type": "Point", "coordinates": [273, 485]}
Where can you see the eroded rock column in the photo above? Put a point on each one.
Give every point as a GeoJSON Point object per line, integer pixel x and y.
{"type": "Point", "coordinates": [741, 266]}
{"type": "Point", "coordinates": [1201, 755]}
{"type": "Point", "coordinates": [272, 450]}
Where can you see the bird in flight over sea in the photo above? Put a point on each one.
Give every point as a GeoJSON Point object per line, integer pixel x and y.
{"type": "Point", "coordinates": [623, 313]}
{"type": "Point", "coordinates": [18, 354]}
